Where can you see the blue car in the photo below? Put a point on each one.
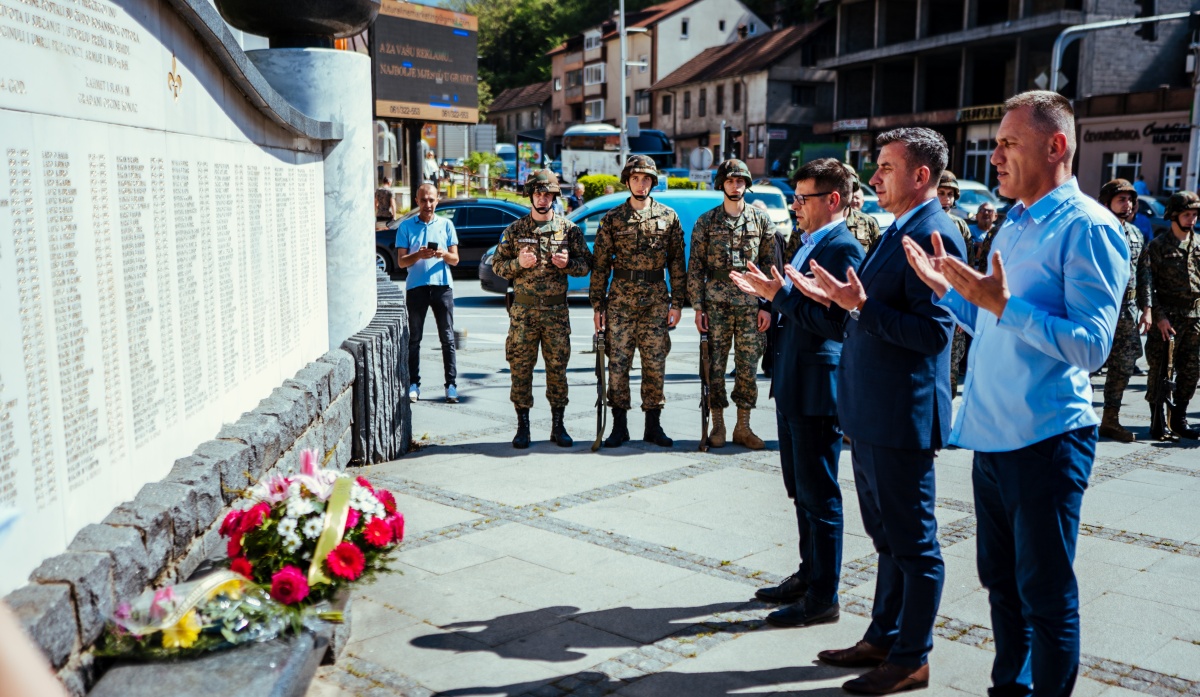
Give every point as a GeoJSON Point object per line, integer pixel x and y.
{"type": "Point", "coordinates": [689, 204]}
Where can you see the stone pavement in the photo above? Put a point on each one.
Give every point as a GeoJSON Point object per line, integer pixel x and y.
{"type": "Point", "coordinates": [631, 571]}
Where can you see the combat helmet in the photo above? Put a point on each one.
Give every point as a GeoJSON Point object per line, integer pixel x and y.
{"type": "Point", "coordinates": [730, 169]}
{"type": "Point", "coordinates": [542, 180]}
{"type": "Point", "coordinates": [950, 181]}
{"type": "Point", "coordinates": [1179, 202]}
{"type": "Point", "coordinates": [639, 164]}
{"type": "Point", "coordinates": [1117, 186]}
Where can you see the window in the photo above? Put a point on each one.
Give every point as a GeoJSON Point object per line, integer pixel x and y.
{"type": "Point", "coordinates": [720, 99]}
{"type": "Point", "coordinates": [666, 105]}
{"type": "Point", "coordinates": [804, 95]}
{"type": "Point", "coordinates": [508, 122]}
{"type": "Point", "coordinates": [641, 102]}
{"type": "Point", "coordinates": [753, 28]}
{"type": "Point", "coordinates": [721, 25]}
{"type": "Point", "coordinates": [593, 74]}
{"type": "Point", "coordinates": [519, 115]}
{"type": "Point", "coordinates": [628, 105]}
{"type": "Point", "coordinates": [591, 41]}
{"type": "Point", "coordinates": [645, 63]}
{"type": "Point", "coordinates": [687, 105]}
{"type": "Point", "coordinates": [574, 78]}
{"type": "Point", "coordinates": [534, 118]}
{"type": "Point", "coordinates": [593, 110]}
{"type": "Point", "coordinates": [557, 115]}
{"type": "Point", "coordinates": [1172, 177]}
{"type": "Point", "coordinates": [702, 103]}
{"type": "Point", "coordinates": [751, 143]}
{"type": "Point", "coordinates": [576, 112]}
{"type": "Point", "coordinates": [762, 140]}
{"type": "Point", "coordinates": [1122, 165]}
{"type": "Point", "coordinates": [557, 84]}
{"type": "Point", "coordinates": [683, 29]}
{"type": "Point", "coordinates": [737, 97]}
{"type": "Point", "coordinates": [491, 217]}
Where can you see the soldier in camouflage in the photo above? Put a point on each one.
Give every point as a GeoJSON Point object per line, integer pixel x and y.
{"type": "Point", "coordinates": [640, 241]}
{"type": "Point", "coordinates": [537, 253]}
{"type": "Point", "coordinates": [864, 227]}
{"type": "Point", "coordinates": [1118, 196]}
{"type": "Point", "coordinates": [948, 193]}
{"type": "Point", "coordinates": [725, 239]}
{"type": "Point", "coordinates": [1173, 296]}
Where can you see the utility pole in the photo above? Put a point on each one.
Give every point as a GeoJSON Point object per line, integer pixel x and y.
{"type": "Point", "coordinates": [1073, 34]}
{"type": "Point", "coordinates": [624, 58]}
{"type": "Point", "coordinates": [1193, 166]}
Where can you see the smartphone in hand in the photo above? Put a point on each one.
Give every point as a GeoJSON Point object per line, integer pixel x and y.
{"type": "Point", "coordinates": [432, 245]}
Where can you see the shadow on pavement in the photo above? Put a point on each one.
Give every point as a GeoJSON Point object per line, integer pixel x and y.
{"type": "Point", "coordinates": [670, 684]}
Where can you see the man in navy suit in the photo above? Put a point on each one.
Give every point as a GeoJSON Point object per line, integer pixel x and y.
{"type": "Point", "coordinates": [804, 386]}
{"type": "Point", "coordinates": [894, 404]}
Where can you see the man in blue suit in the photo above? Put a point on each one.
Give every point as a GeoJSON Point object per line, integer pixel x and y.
{"type": "Point", "coordinates": [804, 386]}
{"type": "Point", "coordinates": [894, 404]}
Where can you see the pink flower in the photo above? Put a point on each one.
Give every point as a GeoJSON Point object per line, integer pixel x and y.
{"type": "Point", "coordinates": [346, 561]}
{"type": "Point", "coordinates": [124, 610]}
{"type": "Point", "coordinates": [352, 519]}
{"type": "Point", "coordinates": [397, 523]}
{"type": "Point", "coordinates": [277, 488]}
{"type": "Point", "coordinates": [242, 566]}
{"type": "Point", "coordinates": [308, 462]}
{"type": "Point", "coordinates": [233, 548]}
{"type": "Point", "coordinates": [232, 523]}
{"type": "Point", "coordinates": [162, 598]}
{"type": "Point", "coordinates": [362, 481]}
{"type": "Point", "coordinates": [387, 499]}
{"type": "Point", "coordinates": [253, 518]}
{"type": "Point", "coordinates": [289, 586]}
{"type": "Point", "coordinates": [378, 532]}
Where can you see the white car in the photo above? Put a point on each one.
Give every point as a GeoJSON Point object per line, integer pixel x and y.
{"type": "Point", "coordinates": [872, 208]}
{"type": "Point", "coordinates": [772, 197]}
{"type": "Point", "coordinates": [972, 195]}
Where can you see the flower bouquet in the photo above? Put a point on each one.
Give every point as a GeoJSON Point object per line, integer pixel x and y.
{"type": "Point", "coordinates": [305, 536]}
{"type": "Point", "coordinates": [223, 609]}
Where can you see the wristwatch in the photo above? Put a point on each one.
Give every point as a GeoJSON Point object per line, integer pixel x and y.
{"type": "Point", "coordinates": [855, 312]}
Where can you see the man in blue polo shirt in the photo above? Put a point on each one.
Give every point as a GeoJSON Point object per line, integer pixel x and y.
{"type": "Point", "coordinates": [427, 245]}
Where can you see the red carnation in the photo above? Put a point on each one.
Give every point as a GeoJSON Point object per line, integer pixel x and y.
{"type": "Point", "coordinates": [352, 518]}
{"type": "Point", "coordinates": [346, 561]}
{"type": "Point", "coordinates": [233, 548]}
{"type": "Point", "coordinates": [254, 517]}
{"type": "Point", "coordinates": [362, 481]}
{"type": "Point", "coordinates": [378, 532]}
{"type": "Point", "coordinates": [232, 523]}
{"type": "Point", "coordinates": [397, 523]}
{"type": "Point", "coordinates": [385, 497]}
{"type": "Point", "coordinates": [242, 566]}
{"type": "Point", "coordinates": [289, 586]}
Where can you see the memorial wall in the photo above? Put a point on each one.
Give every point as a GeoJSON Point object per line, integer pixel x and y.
{"type": "Point", "coordinates": [162, 259]}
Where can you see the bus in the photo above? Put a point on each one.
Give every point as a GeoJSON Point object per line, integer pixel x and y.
{"type": "Point", "coordinates": [596, 149]}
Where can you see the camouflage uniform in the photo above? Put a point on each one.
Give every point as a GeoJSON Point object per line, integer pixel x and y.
{"type": "Point", "coordinates": [1127, 343]}
{"type": "Point", "coordinates": [1173, 293]}
{"type": "Point", "coordinates": [864, 228]}
{"type": "Point", "coordinates": [636, 309]}
{"type": "Point", "coordinates": [980, 252]}
{"type": "Point", "coordinates": [958, 347]}
{"type": "Point", "coordinates": [721, 244]}
{"type": "Point", "coordinates": [532, 325]}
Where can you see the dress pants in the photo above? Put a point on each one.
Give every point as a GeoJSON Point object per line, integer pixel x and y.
{"type": "Point", "coordinates": [1027, 502]}
{"type": "Point", "coordinates": [809, 447]}
{"type": "Point", "coordinates": [897, 496]}
{"type": "Point", "coordinates": [441, 300]}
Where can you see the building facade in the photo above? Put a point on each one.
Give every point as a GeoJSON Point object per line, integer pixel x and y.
{"type": "Point", "coordinates": [767, 86]}
{"type": "Point", "coordinates": [950, 64]}
{"type": "Point", "coordinates": [1138, 133]}
{"type": "Point", "coordinates": [521, 111]}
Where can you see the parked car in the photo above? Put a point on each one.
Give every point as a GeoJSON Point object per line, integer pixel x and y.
{"type": "Point", "coordinates": [872, 208]}
{"type": "Point", "coordinates": [478, 222]}
{"type": "Point", "coordinates": [972, 194]}
{"type": "Point", "coordinates": [781, 183]}
{"type": "Point", "coordinates": [776, 203]}
{"type": "Point", "coordinates": [689, 204]}
{"type": "Point", "coordinates": [1153, 209]}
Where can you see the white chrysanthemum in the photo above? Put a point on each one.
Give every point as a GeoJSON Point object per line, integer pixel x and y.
{"type": "Point", "coordinates": [287, 527]}
{"type": "Point", "coordinates": [291, 543]}
{"type": "Point", "coordinates": [313, 527]}
{"type": "Point", "coordinates": [299, 507]}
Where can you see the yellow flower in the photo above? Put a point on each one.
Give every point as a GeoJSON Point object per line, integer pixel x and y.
{"type": "Point", "coordinates": [183, 634]}
{"type": "Point", "coordinates": [231, 588]}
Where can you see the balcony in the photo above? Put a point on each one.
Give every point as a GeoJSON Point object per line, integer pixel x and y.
{"type": "Point", "coordinates": [573, 60]}
{"type": "Point", "coordinates": [1153, 101]}
{"type": "Point", "coordinates": [597, 90]}
{"type": "Point", "coordinates": [574, 95]}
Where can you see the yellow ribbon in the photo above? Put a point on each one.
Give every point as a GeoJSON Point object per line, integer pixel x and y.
{"type": "Point", "coordinates": [337, 511]}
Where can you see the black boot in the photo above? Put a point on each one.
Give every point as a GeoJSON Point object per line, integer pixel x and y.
{"type": "Point", "coordinates": [1158, 424]}
{"type": "Point", "coordinates": [522, 439]}
{"type": "Point", "coordinates": [558, 432]}
{"type": "Point", "coordinates": [620, 429]}
{"type": "Point", "coordinates": [1179, 423]}
{"type": "Point", "coordinates": [654, 433]}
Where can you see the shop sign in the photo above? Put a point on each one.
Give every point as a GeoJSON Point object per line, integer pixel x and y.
{"type": "Point", "coordinates": [850, 125]}
{"type": "Point", "coordinates": [1158, 135]}
{"type": "Point", "coordinates": [991, 112]}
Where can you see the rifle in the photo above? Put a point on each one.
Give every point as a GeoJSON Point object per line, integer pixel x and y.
{"type": "Point", "coordinates": [598, 345]}
{"type": "Point", "coordinates": [705, 409]}
{"type": "Point", "coordinates": [1169, 378]}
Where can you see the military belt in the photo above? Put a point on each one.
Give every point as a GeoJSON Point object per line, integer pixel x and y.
{"type": "Point", "coordinates": [540, 300]}
{"type": "Point", "coordinates": [634, 275]}
{"type": "Point", "coordinates": [1177, 304]}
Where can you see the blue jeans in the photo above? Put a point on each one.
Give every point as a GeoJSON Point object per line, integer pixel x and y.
{"type": "Point", "coordinates": [1027, 502]}
{"type": "Point", "coordinates": [897, 494]}
{"type": "Point", "coordinates": [809, 447]}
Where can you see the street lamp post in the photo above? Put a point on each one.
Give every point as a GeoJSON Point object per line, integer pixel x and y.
{"type": "Point", "coordinates": [623, 34]}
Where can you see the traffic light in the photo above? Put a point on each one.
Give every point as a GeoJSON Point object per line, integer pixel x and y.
{"type": "Point", "coordinates": [1147, 30]}
{"type": "Point", "coordinates": [733, 146]}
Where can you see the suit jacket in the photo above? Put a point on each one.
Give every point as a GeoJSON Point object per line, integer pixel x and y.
{"type": "Point", "coordinates": [803, 378]}
{"type": "Point", "coordinates": [894, 373]}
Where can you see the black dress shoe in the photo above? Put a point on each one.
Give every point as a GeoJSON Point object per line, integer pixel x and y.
{"type": "Point", "coordinates": [803, 615]}
{"type": "Point", "coordinates": [889, 678]}
{"type": "Point", "coordinates": [861, 655]}
{"type": "Point", "coordinates": [791, 590]}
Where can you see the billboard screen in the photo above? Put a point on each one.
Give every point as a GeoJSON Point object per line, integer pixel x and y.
{"type": "Point", "coordinates": [425, 63]}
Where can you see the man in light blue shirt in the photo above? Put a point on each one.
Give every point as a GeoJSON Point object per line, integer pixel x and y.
{"type": "Point", "coordinates": [427, 245]}
{"type": "Point", "coordinates": [1042, 320]}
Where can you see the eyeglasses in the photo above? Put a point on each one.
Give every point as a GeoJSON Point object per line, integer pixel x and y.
{"type": "Point", "coordinates": [803, 198]}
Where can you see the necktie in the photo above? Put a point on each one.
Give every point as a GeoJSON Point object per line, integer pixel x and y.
{"type": "Point", "coordinates": [878, 245]}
